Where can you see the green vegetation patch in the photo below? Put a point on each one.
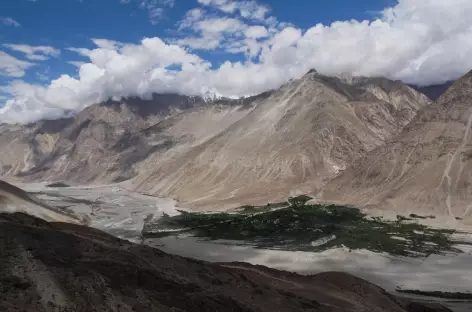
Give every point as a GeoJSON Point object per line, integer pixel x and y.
{"type": "Point", "coordinates": [437, 294]}
{"type": "Point", "coordinates": [415, 216]}
{"type": "Point", "coordinates": [58, 184]}
{"type": "Point", "coordinates": [309, 228]}
{"type": "Point", "coordinates": [249, 209]}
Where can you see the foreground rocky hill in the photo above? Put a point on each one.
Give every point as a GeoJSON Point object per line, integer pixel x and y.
{"type": "Point", "coordinates": [65, 267]}
{"type": "Point", "coordinates": [426, 168]}
{"type": "Point", "coordinates": [14, 199]}
{"type": "Point", "coordinates": [222, 153]}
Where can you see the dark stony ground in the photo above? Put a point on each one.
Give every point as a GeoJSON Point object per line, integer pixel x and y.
{"type": "Point", "coordinates": [63, 267]}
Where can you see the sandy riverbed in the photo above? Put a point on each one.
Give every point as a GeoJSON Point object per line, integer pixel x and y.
{"type": "Point", "coordinates": [122, 213]}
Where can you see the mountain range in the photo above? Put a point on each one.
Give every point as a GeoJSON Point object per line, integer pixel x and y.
{"type": "Point", "coordinates": [344, 139]}
{"type": "Point", "coordinates": [426, 168]}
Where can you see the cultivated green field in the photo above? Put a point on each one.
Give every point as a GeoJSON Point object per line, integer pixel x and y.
{"type": "Point", "coordinates": [298, 226]}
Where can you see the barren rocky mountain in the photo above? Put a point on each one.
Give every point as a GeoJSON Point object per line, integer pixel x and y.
{"type": "Point", "coordinates": [106, 142]}
{"type": "Point", "coordinates": [65, 267]}
{"type": "Point", "coordinates": [256, 150]}
{"type": "Point", "coordinates": [295, 140]}
{"type": "Point", "coordinates": [426, 168]}
{"type": "Point", "coordinates": [434, 91]}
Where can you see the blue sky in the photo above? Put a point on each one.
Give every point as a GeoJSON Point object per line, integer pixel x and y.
{"type": "Point", "coordinates": [49, 53]}
{"type": "Point", "coordinates": [72, 23]}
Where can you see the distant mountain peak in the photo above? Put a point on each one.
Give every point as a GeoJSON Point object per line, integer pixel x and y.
{"type": "Point", "coordinates": [210, 96]}
{"type": "Point", "coordinates": [312, 71]}
{"type": "Point", "coordinates": [343, 77]}
{"type": "Point", "coordinates": [347, 78]}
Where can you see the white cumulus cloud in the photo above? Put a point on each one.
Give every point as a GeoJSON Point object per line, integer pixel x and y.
{"type": "Point", "coordinates": [246, 9]}
{"type": "Point", "coordinates": [256, 32]}
{"type": "Point", "coordinates": [131, 69]}
{"type": "Point", "coordinates": [156, 8]}
{"type": "Point", "coordinates": [226, 33]}
{"type": "Point", "coordinates": [8, 21]}
{"type": "Point", "coordinates": [76, 63]}
{"type": "Point", "coordinates": [417, 41]}
{"type": "Point", "coordinates": [34, 53]}
{"type": "Point", "coordinates": [10, 66]}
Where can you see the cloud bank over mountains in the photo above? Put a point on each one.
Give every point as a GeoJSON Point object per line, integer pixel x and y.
{"type": "Point", "coordinates": [417, 41]}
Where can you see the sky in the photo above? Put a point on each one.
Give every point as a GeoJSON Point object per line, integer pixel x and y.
{"type": "Point", "coordinates": [60, 56]}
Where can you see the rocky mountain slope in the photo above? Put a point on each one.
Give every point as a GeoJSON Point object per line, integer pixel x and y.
{"type": "Point", "coordinates": [65, 267]}
{"type": "Point", "coordinates": [294, 141]}
{"type": "Point", "coordinates": [433, 92]}
{"type": "Point", "coordinates": [14, 199]}
{"type": "Point", "coordinates": [426, 168]}
{"type": "Point", "coordinates": [255, 150]}
{"type": "Point", "coordinates": [105, 142]}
